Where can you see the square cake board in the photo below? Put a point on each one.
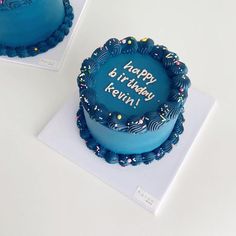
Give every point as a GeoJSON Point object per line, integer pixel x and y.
{"type": "Point", "coordinates": [54, 58]}
{"type": "Point", "coordinates": [147, 185]}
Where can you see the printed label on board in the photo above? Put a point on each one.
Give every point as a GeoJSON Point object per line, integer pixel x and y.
{"type": "Point", "coordinates": [146, 199]}
{"type": "Point", "coordinates": [47, 62]}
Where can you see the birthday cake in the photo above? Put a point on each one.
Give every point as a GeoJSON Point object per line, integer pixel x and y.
{"type": "Point", "coordinates": [132, 96]}
{"type": "Point", "coordinates": [31, 27]}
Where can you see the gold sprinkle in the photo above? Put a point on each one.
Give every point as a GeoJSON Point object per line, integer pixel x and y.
{"type": "Point", "coordinates": [36, 49]}
{"type": "Point", "coordinates": [119, 117]}
{"type": "Point", "coordinates": [144, 39]}
{"type": "Point", "coordinates": [129, 42]}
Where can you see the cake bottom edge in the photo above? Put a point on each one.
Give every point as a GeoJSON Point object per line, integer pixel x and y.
{"type": "Point", "coordinates": [129, 159]}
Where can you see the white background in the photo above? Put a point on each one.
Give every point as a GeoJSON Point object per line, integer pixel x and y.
{"type": "Point", "coordinates": [43, 194]}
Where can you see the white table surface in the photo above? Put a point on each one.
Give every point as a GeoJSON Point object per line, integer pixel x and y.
{"type": "Point", "coordinates": [43, 194]}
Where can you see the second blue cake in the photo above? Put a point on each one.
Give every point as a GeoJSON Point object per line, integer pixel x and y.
{"type": "Point", "coordinates": [30, 27]}
{"type": "Point", "coordinates": [132, 100]}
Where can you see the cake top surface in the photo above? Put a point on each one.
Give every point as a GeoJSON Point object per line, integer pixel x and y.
{"type": "Point", "coordinates": [133, 86]}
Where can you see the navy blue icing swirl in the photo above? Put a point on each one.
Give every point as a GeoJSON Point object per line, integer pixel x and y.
{"type": "Point", "coordinates": [45, 45]}
{"type": "Point", "coordinates": [100, 113]}
{"type": "Point", "coordinates": [181, 81]}
{"type": "Point", "coordinates": [113, 46]}
{"type": "Point", "coordinates": [158, 52]}
{"type": "Point", "coordinates": [170, 59]}
{"type": "Point", "coordinates": [100, 151]}
{"type": "Point", "coordinates": [101, 55]}
{"type": "Point", "coordinates": [136, 159]}
{"type": "Point", "coordinates": [159, 153]}
{"type": "Point", "coordinates": [155, 123]}
{"type": "Point", "coordinates": [84, 81]}
{"type": "Point", "coordinates": [91, 144]}
{"type": "Point", "coordinates": [145, 45]}
{"type": "Point", "coordinates": [179, 68]}
{"type": "Point", "coordinates": [117, 122]}
{"type": "Point", "coordinates": [88, 99]}
{"type": "Point", "coordinates": [136, 125]}
{"type": "Point", "coordinates": [174, 138]}
{"type": "Point", "coordinates": [148, 157]}
{"type": "Point", "coordinates": [124, 160]}
{"type": "Point", "coordinates": [129, 159]}
{"type": "Point", "coordinates": [178, 96]}
{"type": "Point", "coordinates": [167, 146]}
{"type": "Point", "coordinates": [89, 66]}
{"type": "Point", "coordinates": [169, 111]}
{"type": "Point", "coordinates": [129, 45]}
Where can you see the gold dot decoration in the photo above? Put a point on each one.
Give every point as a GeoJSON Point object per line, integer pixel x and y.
{"type": "Point", "coordinates": [36, 49]}
{"type": "Point", "coordinates": [144, 39]}
{"type": "Point", "coordinates": [119, 117]}
{"type": "Point", "coordinates": [129, 42]}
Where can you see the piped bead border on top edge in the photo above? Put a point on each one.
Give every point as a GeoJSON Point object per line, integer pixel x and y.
{"type": "Point", "coordinates": [43, 46]}
{"type": "Point", "coordinates": [129, 159]}
{"type": "Point", "coordinates": [150, 121]}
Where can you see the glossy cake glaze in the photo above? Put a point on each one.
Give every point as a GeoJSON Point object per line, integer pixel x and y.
{"type": "Point", "coordinates": [30, 27]}
{"type": "Point", "coordinates": [132, 100]}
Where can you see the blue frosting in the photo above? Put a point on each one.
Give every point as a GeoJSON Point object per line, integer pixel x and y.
{"type": "Point", "coordinates": [113, 46]}
{"type": "Point", "coordinates": [158, 52]}
{"type": "Point", "coordinates": [181, 82]}
{"type": "Point", "coordinates": [179, 68]}
{"type": "Point", "coordinates": [101, 55]}
{"type": "Point", "coordinates": [89, 66]}
{"type": "Point", "coordinates": [129, 45]}
{"type": "Point", "coordinates": [28, 28]}
{"type": "Point", "coordinates": [145, 45]}
{"type": "Point", "coordinates": [170, 59]}
{"type": "Point", "coordinates": [132, 96]}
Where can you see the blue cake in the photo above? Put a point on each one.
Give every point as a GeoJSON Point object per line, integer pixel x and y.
{"type": "Point", "coordinates": [132, 96]}
{"type": "Point", "coordinates": [31, 27]}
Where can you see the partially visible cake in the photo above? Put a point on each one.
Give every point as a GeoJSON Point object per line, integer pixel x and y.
{"type": "Point", "coordinates": [132, 101]}
{"type": "Point", "coordinates": [30, 27]}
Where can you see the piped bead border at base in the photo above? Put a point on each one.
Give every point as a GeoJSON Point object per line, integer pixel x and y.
{"type": "Point", "coordinates": [131, 159]}
{"type": "Point", "coordinates": [41, 47]}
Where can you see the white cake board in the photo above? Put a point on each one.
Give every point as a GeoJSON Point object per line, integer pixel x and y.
{"type": "Point", "coordinates": [144, 184]}
{"type": "Point", "coordinates": [54, 58]}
